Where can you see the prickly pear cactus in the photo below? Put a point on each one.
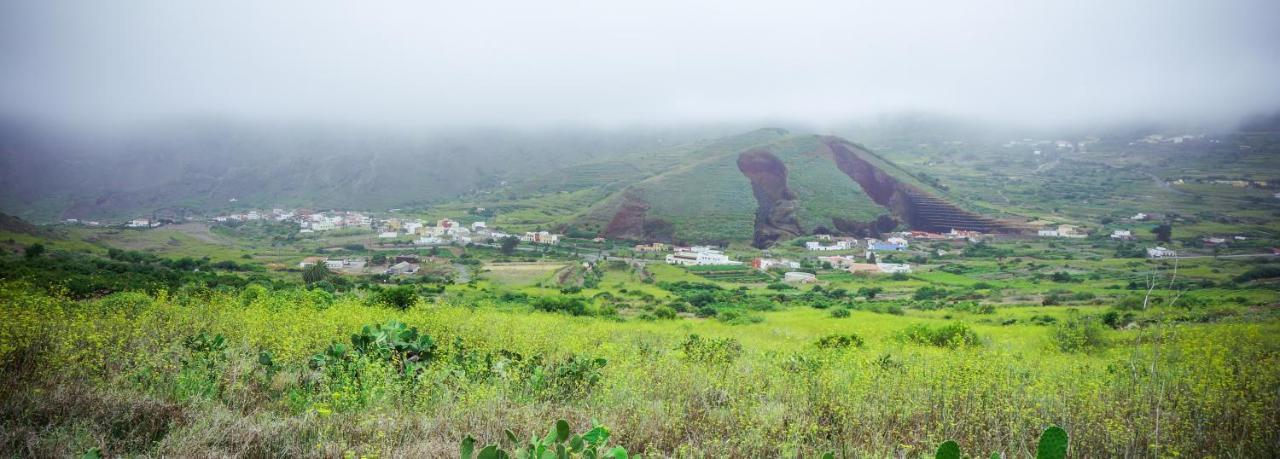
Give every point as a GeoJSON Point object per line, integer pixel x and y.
{"type": "Point", "coordinates": [1053, 444]}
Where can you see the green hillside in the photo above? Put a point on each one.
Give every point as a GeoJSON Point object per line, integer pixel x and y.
{"type": "Point", "coordinates": [708, 198]}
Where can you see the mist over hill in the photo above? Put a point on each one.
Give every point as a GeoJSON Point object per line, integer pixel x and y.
{"type": "Point", "coordinates": [49, 173]}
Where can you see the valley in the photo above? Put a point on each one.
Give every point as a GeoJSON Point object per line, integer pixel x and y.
{"type": "Point", "coordinates": [764, 294]}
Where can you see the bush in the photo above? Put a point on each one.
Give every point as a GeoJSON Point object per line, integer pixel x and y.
{"type": "Point", "coordinates": [840, 313]}
{"type": "Point", "coordinates": [929, 293]}
{"type": "Point", "coordinates": [711, 350]}
{"type": "Point", "coordinates": [950, 335]}
{"type": "Point", "coordinates": [1117, 319]}
{"type": "Point", "coordinates": [399, 297]}
{"type": "Point", "coordinates": [571, 305]}
{"type": "Point", "coordinates": [1261, 272]}
{"type": "Point", "coordinates": [839, 341]}
{"type": "Point", "coordinates": [1078, 334]}
{"type": "Point", "coordinates": [664, 312]}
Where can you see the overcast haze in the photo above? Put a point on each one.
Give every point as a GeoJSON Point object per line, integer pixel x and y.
{"type": "Point", "coordinates": [533, 63]}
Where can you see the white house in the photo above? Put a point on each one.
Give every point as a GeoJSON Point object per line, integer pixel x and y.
{"type": "Point", "coordinates": [310, 261]}
{"type": "Point", "coordinates": [139, 223]}
{"type": "Point", "coordinates": [541, 237]}
{"type": "Point", "coordinates": [799, 277]}
{"type": "Point", "coordinates": [1067, 231]}
{"type": "Point", "coordinates": [1139, 216]}
{"type": "Point", "coordinates": [428, 240]}
{"type": "Point", "coordinates": [1121, 234]}
{"type": "Point", "coordinates": [333, 264]}
{"type": "Point", "coordinates": [700, 256]}
{"type": "Point", "coordinates": [838, 245]}
{"type": "Point", "coordinates": [477, 226]}
{"type": "Point", "coordinates": [1160, 252]}
{"type": "Point", "coordinates": [765, 264]}
{"type": "Point", "coordinates": [839, 262]}
{"type": "Point", "coordinates": [388, 235]}
{"type": "Point", "coordinates": [403, 267]}
{"type": "Point", "coordinates": [894, 268]}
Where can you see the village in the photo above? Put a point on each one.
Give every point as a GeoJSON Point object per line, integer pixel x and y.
{"type": "Point", "coordinates": [400, 247]}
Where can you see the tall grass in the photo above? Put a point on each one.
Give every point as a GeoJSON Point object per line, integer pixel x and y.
{"type": "Point", "coordinates": [115, 373]}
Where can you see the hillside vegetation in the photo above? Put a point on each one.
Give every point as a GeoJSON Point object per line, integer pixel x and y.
{"type": "Point", "coordinates": [291, 373]}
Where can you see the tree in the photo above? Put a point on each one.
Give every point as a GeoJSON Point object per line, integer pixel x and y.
{"type": "Point", "coordinates": [379, 259]}
{"type": "Point", "coordinates": [315, 273]}
{"type": "Point", "coordinates": [34, 250]}
{"type": "Point", "coordinates": [1164, 232]}
{"type": "Point", "coordinates": [509, 244]}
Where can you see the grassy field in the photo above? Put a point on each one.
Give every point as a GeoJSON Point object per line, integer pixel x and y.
{"type": "Point", "coordinates": [124, 374]}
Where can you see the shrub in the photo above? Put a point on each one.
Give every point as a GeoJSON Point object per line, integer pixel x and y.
{"type": "Point", "coordinates": [399, 297]}
{"type": "Point", "coordinates": [738, 317]}
{"type": "Point", "coordinates": [1043, 319]}
{"type": "Point", "coordinates": [664, 312]}
{"type": "Point", "coordinates": [950, 335]}
{"type": "Point", "coordinates": [840, 313]}
{"type": "Point", "coordinates": [572, 377]}
{"type": "Point", "coordinates": [571, 305]}
{"type": "Point", "coordinates": [1117, 319]}
{"type": "Point", "coordinates": [1078, 334]}
{"type": "Point", "coordinates": [1260, 272]}
{"type": "Point", "coordinates": [711, 350]}
{"type": "Point", "coordinates": [560, 442]}
{"type": "Point", "coordinates": [929, 293]}
{"type": "Point", "coordinates": [393, 342]}
{"type": "Point", "coordinates": [839, 341]}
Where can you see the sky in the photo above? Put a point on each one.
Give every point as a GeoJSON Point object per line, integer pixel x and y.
{"type": "Point", "coordinates": [611, 63]}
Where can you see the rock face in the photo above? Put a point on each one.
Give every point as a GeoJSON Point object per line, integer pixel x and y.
{"type": "Point", "coordinates": [631, 222]}
{"type": "Point", "coordinates": [918, 209]}
{"type": "Point", "coordinates": [776, 204]}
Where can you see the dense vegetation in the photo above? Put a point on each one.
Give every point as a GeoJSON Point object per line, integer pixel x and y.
{"type": "Point", "coordinates": [302, 372]}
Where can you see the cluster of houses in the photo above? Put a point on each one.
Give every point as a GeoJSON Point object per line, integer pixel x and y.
{"type": "Point", "coordinates": [447, 231]}
{"type": "Point", "coordinates": [1058, 144]}
{"type": "Point", "coordinates": [337, 264]}
{"type": "Point", "coordinates": [76, 221]}
{"type": "Point", "coordinates": [652, 248]}
{"type": "Point", "coordinates": [870, 265]}
{"type": "Point", "coordinates": [898, 242]}
{"type": "Point", "coordinates": [277, 214]}
{"type": "Point", "coordinates": [401, 265]}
